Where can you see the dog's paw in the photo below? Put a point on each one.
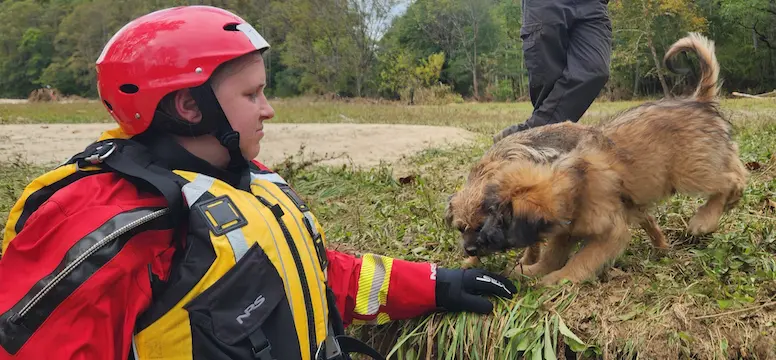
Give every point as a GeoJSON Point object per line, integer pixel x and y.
{"type": "Point", "coordinates": [661, 243]}
{"type": "Point", "coordinates": [549, 280]}
{"type": "Point", "coordinates": [529, 258]}
{"type": "Point", "coordinates": [555, 278]}
{"type": "Point", "coordinates": [532, 270]}
{"type": "Point", "coordinates": [700, 226]}
{"type": "Point", "coordinates": [470, 262]}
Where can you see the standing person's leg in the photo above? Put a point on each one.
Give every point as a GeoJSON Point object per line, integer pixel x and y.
{"type": "Point", "coordinates": [586, 65]}
{"type": "Point", "coordinates": [544, 32]}
{"type": "Point", "coordinates": [545, 42]}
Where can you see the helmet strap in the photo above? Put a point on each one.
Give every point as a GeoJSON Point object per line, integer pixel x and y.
{"type": "Point", "coordinates": [165, 123]}
{"type": "Point", "coordinates": [219, 126]}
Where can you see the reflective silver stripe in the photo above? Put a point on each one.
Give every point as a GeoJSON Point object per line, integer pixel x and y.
{"type": "Point", "coordinates": [271, 177]}
{"type": "Point", "coordinates": [134, 349]}
{"type": "Point", "coordinates": [377, 282]}
{"type": "Point", "coordinates": [237, 241]}
{"type": "Point", "coordinates": [195, 189]}
{"type": "Point", "coordinates": [309, 216]}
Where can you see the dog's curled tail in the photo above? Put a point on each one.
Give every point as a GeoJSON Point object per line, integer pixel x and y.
{"type": "Point", "coordinates": [708, 88]}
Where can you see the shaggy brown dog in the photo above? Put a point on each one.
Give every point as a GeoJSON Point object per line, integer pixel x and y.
{"type": "Point", "coordinates": [570, 182]}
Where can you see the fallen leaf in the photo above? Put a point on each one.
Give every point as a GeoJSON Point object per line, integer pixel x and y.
{"type": "Point", "coordinates": [615, 273]}
{"type": "Point", "coordinates": [628, 316]}
{"type": "Point", "coordinates": [753, 165]}
{"type": "Point", "coordinates": [680, 312]}
{"type": "Point", "coordinates": [407, 179]}
{"type": "Point", "coordinates": [724, 304]}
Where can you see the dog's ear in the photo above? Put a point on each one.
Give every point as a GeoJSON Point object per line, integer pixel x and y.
{"type": "Point", "coordinates": [448, 215]}
{"type": "Point", "coordinates": [498, 193]}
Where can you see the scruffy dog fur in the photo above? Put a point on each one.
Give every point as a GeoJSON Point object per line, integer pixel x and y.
{"type": "Point", "coordinates": [569, 182]}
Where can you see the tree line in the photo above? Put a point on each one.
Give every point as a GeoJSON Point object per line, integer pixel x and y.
{"type": "Point", "coordinates": [451, 49]}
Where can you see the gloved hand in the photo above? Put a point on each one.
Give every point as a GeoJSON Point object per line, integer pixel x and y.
{"type": "Point", "coordinates": [460, 289]}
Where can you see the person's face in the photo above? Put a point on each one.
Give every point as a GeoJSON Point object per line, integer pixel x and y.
{"type": "Point", "coordinates": [241, 95]}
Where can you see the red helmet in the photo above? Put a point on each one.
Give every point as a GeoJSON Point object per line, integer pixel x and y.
{"type": "Point", "coordinates": [164, 51]}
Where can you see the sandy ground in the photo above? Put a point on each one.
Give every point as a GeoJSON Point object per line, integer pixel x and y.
{"type": "Point", "coordinates": [362, 144]}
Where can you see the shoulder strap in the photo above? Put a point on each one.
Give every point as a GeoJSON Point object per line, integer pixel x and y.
{"type": "Point", "coordinates": [132, 161]}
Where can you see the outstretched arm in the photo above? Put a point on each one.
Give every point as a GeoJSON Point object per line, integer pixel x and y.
{"type": "Point", "coordinates": [377, 289]}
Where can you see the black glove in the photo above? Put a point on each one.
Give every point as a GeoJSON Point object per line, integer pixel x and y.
{"type": "Point", "coordinates": [459, 289]}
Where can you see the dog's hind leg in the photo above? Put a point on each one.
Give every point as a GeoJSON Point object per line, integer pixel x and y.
{"type": "Point", "coordinates": [706, 219]}
{"type": "Point", "coordinates": [599, 251]}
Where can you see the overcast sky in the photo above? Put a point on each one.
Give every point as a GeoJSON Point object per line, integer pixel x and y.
{"type": "Point", "coordinates": [397, 10]}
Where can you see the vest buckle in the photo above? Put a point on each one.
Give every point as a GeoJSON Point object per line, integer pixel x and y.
{"type": "Point", "coordinates": [333, 349]}
{"type": "Point", "coordinates": [100, 153]}
{"type": "Point", "coordinates": [263, 354]}
{"type": "Point", "coordinates": [260, 345]}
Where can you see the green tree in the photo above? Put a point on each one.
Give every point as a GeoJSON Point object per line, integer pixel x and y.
{"type": "Point", "coordinates": [650, 25]}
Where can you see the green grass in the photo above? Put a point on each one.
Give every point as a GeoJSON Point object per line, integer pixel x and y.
{"type": "Point", "coordinates": [703, 299]}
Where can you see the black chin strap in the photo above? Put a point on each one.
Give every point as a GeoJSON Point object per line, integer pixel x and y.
{"type": "Point", "coordinates": [218, 125]}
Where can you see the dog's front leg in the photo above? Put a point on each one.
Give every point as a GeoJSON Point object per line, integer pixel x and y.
{"type": "Point", "coordinates": [552, 257]}
{"type": "Point", "coordinates": [531, 254]}
{"type": "Point", "coordinates": [597, 252]}
{"type": "Point", "coordinates": [649, 224]}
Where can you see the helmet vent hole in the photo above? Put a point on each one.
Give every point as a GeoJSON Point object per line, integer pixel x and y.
{"type": "Point", "coordinates": [231, 27]}
{"type": "Point", "coordinates": [108, 105]}
{"type": "Point", "coordinates": [129, 88]}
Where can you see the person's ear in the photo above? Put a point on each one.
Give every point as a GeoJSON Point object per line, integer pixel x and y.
{"type": "Point", "coordinates": [186, 107]}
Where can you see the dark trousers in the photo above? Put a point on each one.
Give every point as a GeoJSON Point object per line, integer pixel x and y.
{"type": "Point", "coordinates": [567, 49]}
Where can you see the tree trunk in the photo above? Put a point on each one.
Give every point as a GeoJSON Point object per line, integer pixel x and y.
{"type": "Point", "coordinates": [658, 67]}
{"type": "Point", "coordinates": [474, 75]}
{"type": "Point", "coordinates": [636, 77]}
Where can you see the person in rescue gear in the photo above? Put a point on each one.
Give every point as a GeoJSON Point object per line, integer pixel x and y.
{"type": "Point", "coordinates": [164, 239]}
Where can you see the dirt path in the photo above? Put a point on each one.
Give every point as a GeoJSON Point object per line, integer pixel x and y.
{"type": "Point", "coordinates": [364, 144]}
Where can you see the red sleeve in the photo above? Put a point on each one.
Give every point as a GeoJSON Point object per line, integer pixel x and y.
{"type": "Point", "coordinates": [376, 289]}
{"type": "Point", "coordinates": [260, 165]}
{"type": "Point", "coordinates": [91, 312]}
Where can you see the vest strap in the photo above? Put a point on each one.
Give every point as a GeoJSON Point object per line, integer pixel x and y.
{"type": "Point", "coordinates": [350, 345]}
{"type": "Point", "coordinates": [337, 345]}
{"type": "Point", "coordinates": [131, 160]}
{"type": "Point", "coordinates": [261, 346]}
